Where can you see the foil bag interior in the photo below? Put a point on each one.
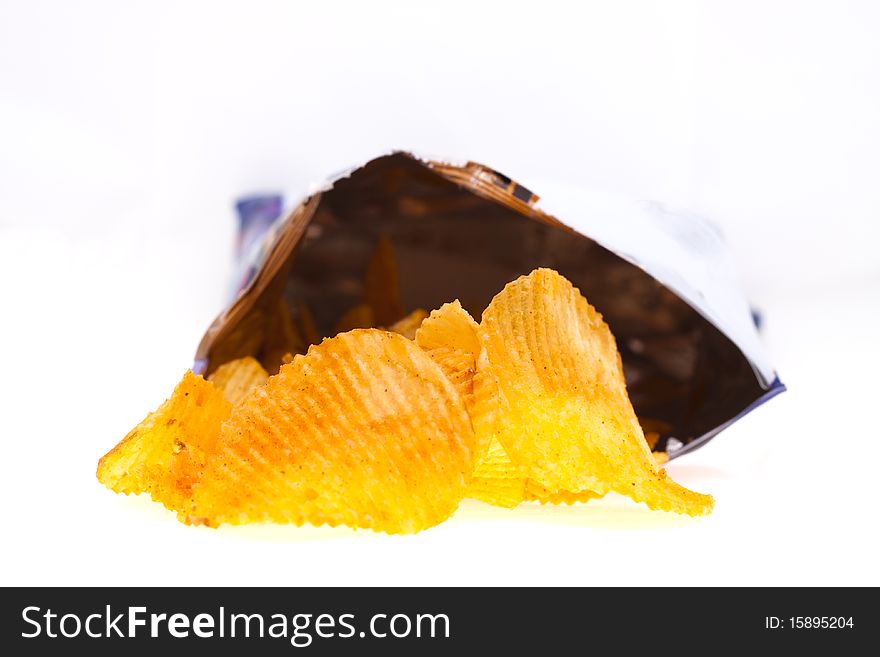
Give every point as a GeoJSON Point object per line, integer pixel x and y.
{"type": "Point", "coordinates": [663, 282]}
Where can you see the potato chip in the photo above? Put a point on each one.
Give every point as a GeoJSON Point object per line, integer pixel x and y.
{"type": "Point", "coordinates": [458, 367]}
{"type": "Point", "coordinates": [496, 479]}
{"type": "Point", "coordinates": [307, 327]}
{"type": "Point", "coordinates": [661, 457]}
{"type": "Point", "coordinates": [164, 454]}
{"type": "Point", "coordinates": [364, 430]}
{"type": "Point", "coordinates": [408, 326]}
{"type": "Point", "coordinates": [651, 438]}
{"type": "Point", "coordinates": [359, 317]}
{"type": "Point", "coordinates": [561, 411]}
{"type": "Point", "coordinates": [449, 336]}
{"type": "Point", "coordinates": [238, 377]}
{"type": "Point", "coordinates": [535, 492]}
{"type": "Point", "coordinates": [382, 285]}
{"type": "Point", "coordinates": [451, 327]}
{"type": "Point", "coordinates": [499, 482]}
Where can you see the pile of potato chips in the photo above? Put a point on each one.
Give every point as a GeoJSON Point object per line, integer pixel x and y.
{"type": "Point", "coordinates": [390, 429]}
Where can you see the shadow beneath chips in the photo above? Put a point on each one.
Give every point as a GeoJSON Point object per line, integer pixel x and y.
{"type": "Point", "coordinates": [609, 512]}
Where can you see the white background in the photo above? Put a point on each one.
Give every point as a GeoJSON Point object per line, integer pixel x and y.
{"type": "Point", "coordinates": [127, 130]}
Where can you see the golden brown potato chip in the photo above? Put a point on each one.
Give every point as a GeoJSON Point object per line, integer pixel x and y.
{"type": "Point", "coordinates": [661, 457]}
{"type": "Point", "coordinates": [449, 336]}
{"type": "Point", "coordinates": [237, 378]}
{"type": "Point", "coordinates": [364, 430]}
{"type": "Point", "coordinates": [451, 327]}
{"type": "Point", "coordinates": [562, 412]}
{"type": "Point", "coordinates": [164, 454]}
{"type": "Point", "coordinates": [307, 327]}
{"type": "Point", "coordinates": [459, 367]}
{"type": "Point", "coordinates": [496, 479]}
{"type": "Point", "coordinates": [535, 492]}
{"type": "Point", "coordinates": [382, 285]}
{"type": "Point", "coordinates": [358, 317]}
{"type": "Point", "coordinates": [408, 326]}
{"type": "Point", "coordinates": [499, 482]}
{"type": "Point", "coordinates": [651, 438]}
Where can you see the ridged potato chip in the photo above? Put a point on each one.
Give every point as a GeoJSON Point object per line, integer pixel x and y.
{"type": "Point", "coordinates": [449, 336]}
{"type": "Point", "coordinates": [497, 480]}
{"type": "Point", "coordinates": [364, 430]}
{"type": "Point", "coordinates": [382, 285]}
{"type": "Point", "coordinates": [450, 327]}
{"type": "Point", "coordinates": [164, 454]}
{"type": "Point", "coordinates": [237, 378]}
{"type": "Point", "coordinates": [408, 326]}
{"type": "Point", "coordinates": [561, 410]}
{"type": "Point", "coordinates": [535, 492]}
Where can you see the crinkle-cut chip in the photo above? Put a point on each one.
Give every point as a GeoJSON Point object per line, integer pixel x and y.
{"type": "Point", "coordinates": [459, 368]}
{"type": "Point", "coordinates": [661, 457]}
{"type": "Point", "coordinates": [496, 463]}
{"type": "Point", "coordinates": [535, 492]}
{"type": "Point", "coordinates": [497, 480]}
{"type": "Point", "coordinates": [307, 327]}
{"type": "Point", "coordinates": [238, 377]}
{"type": "Point", "coordinates": [449, 326]}
{"type": "Point", "coordinates": [382, 285]}
{"type": "Point", "coordinates": [506, 493]}
{"type": "Point", "coordinates": [281, 337]}
{"type": "Point", "coordinates": [449, 336]}
{"type": "Point", "coordinates": [364, 430]}
{"type": "Point", "coordinates": [164, 454]}
{"type": "Point", "coordinates": [487, 408]}
{"type": "Point", "coordinates": [561, 410]}
{"type": "Point", "coordinates": [408, 326]}
{"type": "Point", "coordinates": [358, 317]}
